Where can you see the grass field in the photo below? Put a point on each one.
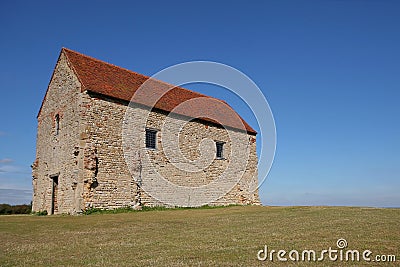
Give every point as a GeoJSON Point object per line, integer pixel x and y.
{"type": "Point", "coordinates": [229, 236]}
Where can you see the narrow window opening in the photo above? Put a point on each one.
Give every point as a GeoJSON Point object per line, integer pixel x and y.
{"type": "Point", "coordinates": [151, 138]}
{"type": "Point", "coordinates": [57, 119]}
{"type": "Point", "coordinates": [220, 150]}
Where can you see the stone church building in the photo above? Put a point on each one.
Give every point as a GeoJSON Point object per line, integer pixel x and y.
{"type": "Point", "coordinates": [81, 161]}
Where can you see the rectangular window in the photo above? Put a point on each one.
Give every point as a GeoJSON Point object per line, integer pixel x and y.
{"type": "Point", "coordinates": [151, 138]}
{"type": "Point", "coordinates": [220, 150]}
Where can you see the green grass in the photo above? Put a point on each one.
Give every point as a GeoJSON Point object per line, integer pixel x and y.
{"type": "Point", "coordinates": [156, 208]}
{"type": "Point", "coordinates": [229, 236]}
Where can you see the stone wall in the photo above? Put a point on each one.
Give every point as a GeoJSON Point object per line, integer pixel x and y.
{"type": "Point", "coordinates": [88, 157]}
{"type": "Point", "coordinates": [115, 186]}
{"type": "Point", "coordinates": [101, 129]}
{"type": "Point", "coordinates": [56, 153]}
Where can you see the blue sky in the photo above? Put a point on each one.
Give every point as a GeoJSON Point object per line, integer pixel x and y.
{"type": "Point", "coordinates": [329, 69]}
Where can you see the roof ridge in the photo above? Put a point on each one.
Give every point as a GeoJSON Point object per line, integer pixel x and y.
{"type": "Point", "coordinates": [136, 73]}
{"type": "Point", "coordinates": [70, 64]}
{"type": "Point", "coordinates": [102, 61]}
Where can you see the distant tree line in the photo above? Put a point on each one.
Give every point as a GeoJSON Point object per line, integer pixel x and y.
{"type": "Point", "coordinates": [15, 209]}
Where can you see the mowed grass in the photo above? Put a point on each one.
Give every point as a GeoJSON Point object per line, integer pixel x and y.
{"type": "Point", "coordinates": [229, 236]}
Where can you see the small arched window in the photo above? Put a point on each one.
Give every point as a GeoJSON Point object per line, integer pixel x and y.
{"type": "Point", "coordinates": [57, 120]}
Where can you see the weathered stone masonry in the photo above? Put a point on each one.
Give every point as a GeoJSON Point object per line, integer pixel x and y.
{"type": "Point", "coordinates": [58, 154]}
{"type": "Point", "coordinates": [84, 162]}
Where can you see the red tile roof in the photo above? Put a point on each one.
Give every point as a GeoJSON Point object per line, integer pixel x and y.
{"type": "Point", "coordinates": [113, 81]}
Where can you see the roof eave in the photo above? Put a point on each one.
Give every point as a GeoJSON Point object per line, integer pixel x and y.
{"type": "Point", "coordinates": [249, 129]}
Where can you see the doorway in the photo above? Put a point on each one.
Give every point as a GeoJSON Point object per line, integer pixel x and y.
{"type": "Point", "coordinates": [54, 194]}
